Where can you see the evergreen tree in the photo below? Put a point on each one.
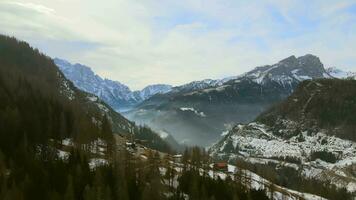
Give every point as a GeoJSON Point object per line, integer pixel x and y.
{"type": "Point", "coordinates": [69, 194]}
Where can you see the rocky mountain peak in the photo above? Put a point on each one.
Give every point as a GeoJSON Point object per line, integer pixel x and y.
{"type": "Point", "coordinates": [151, 90]}
{"type": "Point", "coordinates": [291, 60]}
{"type": "Point", "coordinates": [290, 69]}
{"type": "Point", "coordinates": [309, 58]}
{"type": "Point", "coordinates": [117, 95]}
{"type": "Point", "coordinates": [312, 65]}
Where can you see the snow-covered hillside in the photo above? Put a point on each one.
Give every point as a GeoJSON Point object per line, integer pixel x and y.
{"type": "Point", "coordinates": [312, 132]}
{"type": "Point", "coordinates": [257, 144]}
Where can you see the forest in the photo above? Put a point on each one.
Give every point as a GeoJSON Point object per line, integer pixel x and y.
{"type": "Point", "coordinates": [290, 178]}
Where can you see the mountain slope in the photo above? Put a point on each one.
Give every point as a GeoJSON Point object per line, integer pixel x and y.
{"type": "Point", "coordinates": [215, 105]}
{"type": "Point", "coordinates": [114, 93]}
{"type": "Point", "coordinates": [315, 104]}
{"type": "Point", "coordinates": [56, 141]}
{"type": "Point", "coordinates": [36, 101]}
{"type": "Point", "coordinates": [312, 132]}
{"type": "Point", "coordinates": [23, 67]}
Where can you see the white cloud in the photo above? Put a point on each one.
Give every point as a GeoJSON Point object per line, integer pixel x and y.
{"type": "Point", "coordinates": [34, 7]}
{"type": "Point", "coordinates": [141, 42]}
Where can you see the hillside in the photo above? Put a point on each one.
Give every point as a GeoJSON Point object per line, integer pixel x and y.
{"type": "Point", "coordinates": [54, 136]}
{"type": "Point", "coordinates": [323, 104]}
{"type": "Point", "coordinates": [25, 69]}
{"type": "Point", "coordinates": [310, 135]}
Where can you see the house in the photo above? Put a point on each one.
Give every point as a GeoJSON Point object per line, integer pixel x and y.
{"type": "Point", "coordinates": [131, 145]}
{"type": "Point", "coordinates": [142, 142]}
{"type": "Point", "coordinates": [177, 158]}
{"type": "Point", "coordinates": [220, 166]}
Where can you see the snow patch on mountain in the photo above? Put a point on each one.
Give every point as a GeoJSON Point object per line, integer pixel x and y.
{"type": "Point", "coordinates": [201, 114]}
{"type": "Point", "coordinates": [163, 134]}
{"type": "Point", "coordinates": [288, 70]}
{"type": "Point", "coordinates": [338, 73]}
{"type": "Point", "coordinates": [151, 90]}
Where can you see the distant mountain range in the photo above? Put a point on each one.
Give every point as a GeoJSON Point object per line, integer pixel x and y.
{"type": "Point", "coordinates": [197, 112]}
{"type": "Point", "coordinates": [114, 93]}
{"type": "Point", "coordinates": [312, 132]}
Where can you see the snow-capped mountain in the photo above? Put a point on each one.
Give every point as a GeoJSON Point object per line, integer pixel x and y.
{"type": "Point", "coordinates": [151, 90]}
{"type": "Point", "coordinates": [200, 85]}
{"type": "Point", "coordinates": [338, 73]}
{"type": "Point", "coordinates": [312, 132]}
{"type": "Point", "coordinates": [227, 101]}
{"type": "Point", "coordinates": [114, 93]}
{"type": "Point", "coordinates": [289, 70]}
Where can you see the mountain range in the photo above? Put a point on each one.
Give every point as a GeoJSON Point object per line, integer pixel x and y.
{"type": "Point", "coordinates": [198, 112]}
{"type": "Point", "coordinates": [114, 93]}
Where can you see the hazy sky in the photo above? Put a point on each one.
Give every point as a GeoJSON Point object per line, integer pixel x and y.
{"type": "Point", "coordinates": [140, 42]}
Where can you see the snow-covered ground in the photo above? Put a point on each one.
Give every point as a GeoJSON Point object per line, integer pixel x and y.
{"type": "Point", "coordinates": [96, 162]}
{"type": "Point", "coordinates": [256, 144]}
{"type": "Point", "coordinates": [249, 179]}
{"type": "Point", "coordinates": [96, 148]}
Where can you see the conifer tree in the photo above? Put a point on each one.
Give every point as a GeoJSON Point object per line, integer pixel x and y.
{"type": "Point", "coordinates": [69, 194]}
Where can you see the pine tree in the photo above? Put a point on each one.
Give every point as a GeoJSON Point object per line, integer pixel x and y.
{"type": "Point", "coordinates": [69, 194]}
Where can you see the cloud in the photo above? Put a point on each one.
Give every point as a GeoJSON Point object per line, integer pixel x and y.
{"type": "Point", "coordinates": [143, 42]}
{"type": "Point", "coordinates": [35, 7]}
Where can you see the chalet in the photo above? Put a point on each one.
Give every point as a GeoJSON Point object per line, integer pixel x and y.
{"type": "Point", "coordinates": [131, 145]}
{"type": "Point", "coordinates": [142, 142]}
{"type": "Point", "coordinates": [220, 166]}
{"type": "Point", "coordinates": [177, 158]}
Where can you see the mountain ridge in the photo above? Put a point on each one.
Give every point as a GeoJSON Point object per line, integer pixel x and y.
{"type": "Point", "coordinates": [116, 94]}
{"type": "Point", "coordinates": [239, 99]}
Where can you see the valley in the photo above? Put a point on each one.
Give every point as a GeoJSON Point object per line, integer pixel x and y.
{"type": "Point", "coordinates": [276, 130]}
{"type": "Point", "coordinates": [177, 100]}
{"type": "Point", "coordinates": [278, 127]}
{"type": "Point", "coordinates": [197, 113]}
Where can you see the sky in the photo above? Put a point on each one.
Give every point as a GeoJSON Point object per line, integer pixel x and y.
{"type": "Point", "coordinates": [142, 42]}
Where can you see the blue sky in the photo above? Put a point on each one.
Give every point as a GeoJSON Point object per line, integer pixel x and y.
{"type": "Point", "coordinates": [141, 42]}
